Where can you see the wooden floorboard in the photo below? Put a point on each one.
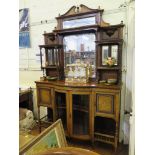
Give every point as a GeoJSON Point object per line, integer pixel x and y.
{"type": "Point", "coordinates": [101, 148]}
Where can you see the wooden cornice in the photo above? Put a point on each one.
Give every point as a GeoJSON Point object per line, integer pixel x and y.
{"type": "Point", "coordinates": [79, 10]}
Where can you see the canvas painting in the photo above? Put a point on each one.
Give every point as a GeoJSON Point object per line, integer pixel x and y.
{"type": "Point", "coordinates": [52, 137]}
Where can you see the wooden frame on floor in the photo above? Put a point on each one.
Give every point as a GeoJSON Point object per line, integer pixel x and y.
{"type": "Point", "coordinates": [53, 136]}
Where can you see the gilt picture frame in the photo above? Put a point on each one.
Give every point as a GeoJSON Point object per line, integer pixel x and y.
{"type": "Point", "coordinates": [53, 136]}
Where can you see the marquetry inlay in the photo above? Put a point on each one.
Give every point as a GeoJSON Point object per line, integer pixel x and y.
{"type": "Point", "coordinates": [105, 103]}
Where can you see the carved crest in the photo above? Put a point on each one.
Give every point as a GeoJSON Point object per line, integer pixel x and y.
{"type": "Point", "coordinates": [74, 10]}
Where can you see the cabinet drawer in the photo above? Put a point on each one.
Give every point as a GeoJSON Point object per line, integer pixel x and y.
{"type": "Point", "coordinates": [105, 104]}
{"type": "Point", "coordinates": [44, 96]}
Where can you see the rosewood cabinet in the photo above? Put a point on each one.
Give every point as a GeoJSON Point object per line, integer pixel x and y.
{"type": "Point", "coordinates": [83, 54]}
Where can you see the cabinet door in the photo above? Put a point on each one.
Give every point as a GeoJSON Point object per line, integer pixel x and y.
{"type": "Point", "coordinates": [106, 121]}
{"type": "Point", "coordinates": [107, 104]}
{"type": "Point", "coordinates": [80, 115]}
{"type": "Point", "coordinates": [61, 107]}
{"type": "Point", "coordinates": [45, 96]}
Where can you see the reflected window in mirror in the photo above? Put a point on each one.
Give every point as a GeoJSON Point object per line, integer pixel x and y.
{"type": "Point", "coordinates": [52, 57]}
{"type": "Point", "coordinates": [114, 53]}
{"type": "Point", "coordinates": [80, 49]}
{"type": "Point", "coordinates": [105, 51]}
{"type": "Point", "coordinates": [79, 22]}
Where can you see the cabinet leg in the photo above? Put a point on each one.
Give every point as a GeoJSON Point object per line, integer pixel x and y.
{"type": "Point", "coordinates": [93, 144]}
{"type": "Point", "coordinates": [115, 144]}
{"type": "Point", "coordinates": [116, 137]}
{"type": "Point", "coordinates": [115, 148]}
{"type": "Point", "coordinates": [39, 121]}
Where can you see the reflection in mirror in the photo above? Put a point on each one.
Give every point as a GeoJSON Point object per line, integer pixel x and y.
{"type": "Point", "coordinates": [104, 54]}
{"type": "Point", "coordinates": [114, 52]}
{"type": "Point", "coordinates": [43, 63]}
{"type": "Point", "coordinates": [80, 49]}
{"type": "Point", "coordinates": [51, 57]}
{"type": "Point", "coordinates": [79, 22]}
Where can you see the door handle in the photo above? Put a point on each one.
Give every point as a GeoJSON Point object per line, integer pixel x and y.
{"type": "Point", "coordinates": [128, 113]}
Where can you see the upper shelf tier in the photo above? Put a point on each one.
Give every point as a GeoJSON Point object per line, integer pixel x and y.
{"type": "Point", "coordinates": [49, 46]}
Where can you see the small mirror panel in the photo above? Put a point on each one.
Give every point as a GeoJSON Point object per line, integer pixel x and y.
{"type": "Point", "coordinates": [114, 53]}
{"type": "Point", "coordinates": [105, 51]}
{"type": "Point", "coordinates": [78, 22]}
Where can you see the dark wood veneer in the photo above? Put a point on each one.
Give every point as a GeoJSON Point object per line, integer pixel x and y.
{"type": "Point", "coordinates": [105, 34]}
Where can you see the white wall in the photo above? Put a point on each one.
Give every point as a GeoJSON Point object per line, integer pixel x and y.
{"type": "Point", "coordinates": [41, 10]}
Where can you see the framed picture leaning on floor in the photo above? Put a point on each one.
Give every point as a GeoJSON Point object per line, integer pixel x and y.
{"type": "Point", "coordinates": [53, 136]}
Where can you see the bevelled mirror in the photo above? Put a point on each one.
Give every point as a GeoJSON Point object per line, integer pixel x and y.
{"type": "Point", "coordinates": [105, 51]}
{"type": "Point", "coordinates": [110, 54]}
{"type": "Point", "coordinates": [79, 22]}
{"type": "Point", "coordinates": [114, 53]}
{"type": "Point", "coordinates": [80, 49]}
{"type": "Point", "coordinates": [52, 57]}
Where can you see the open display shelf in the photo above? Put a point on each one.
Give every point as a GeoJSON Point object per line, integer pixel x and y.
{"type": "Point", "coordinates": [107, 126]}
{"type": "Point", "coordinates": [105, 131]}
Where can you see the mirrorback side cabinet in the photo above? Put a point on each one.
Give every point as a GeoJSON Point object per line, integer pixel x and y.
{"type": "Point", "coordinates": [81, 84]}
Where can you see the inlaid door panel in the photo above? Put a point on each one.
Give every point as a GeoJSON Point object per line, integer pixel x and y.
{"type": "Point", "coordinates": [105, 104]}
{"type": "Point", "coordinates": [45, 96]}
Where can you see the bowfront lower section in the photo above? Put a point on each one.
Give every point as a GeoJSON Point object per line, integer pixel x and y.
{"type": "Point", "coordinates": [88, 112]}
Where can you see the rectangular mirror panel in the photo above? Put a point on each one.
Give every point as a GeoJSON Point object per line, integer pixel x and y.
{"type": "Point", "coordinates": [105, 51]}
{"type": "Point", "coordinates": [79, 22]}
{"type": "Point", "coordinates": [80, 49]}
{"type": "Point", "coordinates": [114, 53]}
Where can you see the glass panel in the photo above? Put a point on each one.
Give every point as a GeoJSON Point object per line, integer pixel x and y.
{"type": "Point", "coordinates": [52, 57]}
{"type": "Point", "coordinates": [114, 52]}
{"type": "Point", "coordinates": [50, 62]}
{"type": "Point", "coordinates": [43, 57]}
{"type": "Point", "coordinates": [80, 49]}
{"type": "Point", "coordinates": [104, 54]}
{"type": "Point", "coordinates": [81, 114]}
{"type": "Point", "coordinates": [50, 114]}
{"type": "Point", "coordinates": [79, 22]}
{"type": "Point", "coordinates": [60, 99]}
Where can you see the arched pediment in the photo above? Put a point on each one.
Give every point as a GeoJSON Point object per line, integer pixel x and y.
{"type": "Point", "coordinates": [82, 9]}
